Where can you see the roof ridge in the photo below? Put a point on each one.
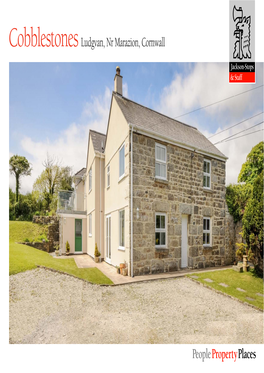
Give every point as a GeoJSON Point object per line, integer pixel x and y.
{"type": "Point", "coordinates": [157, 112]}
{"type": "Point", "coordinates": [99, 133]}
{"type": "Point", "coordinates": [84, 168]}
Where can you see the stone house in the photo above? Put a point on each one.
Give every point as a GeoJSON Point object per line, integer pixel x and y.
{"type": "Point", "coordinates": [154, 192]}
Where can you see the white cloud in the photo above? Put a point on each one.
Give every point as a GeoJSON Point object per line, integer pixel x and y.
{"type": "Point", "coordinates": [71, 145]}
{"type": "Point", "coordinates": [204, 84]}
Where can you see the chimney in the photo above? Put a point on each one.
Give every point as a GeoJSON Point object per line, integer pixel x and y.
{"type": "Point", "coordinates": [118, 82]}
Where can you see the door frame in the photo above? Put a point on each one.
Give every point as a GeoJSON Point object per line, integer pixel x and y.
{"type": "Point", "coordinates": [81, 251]}
{"type": "Point", "coordinates": [184, 251]}
{"type": "Point", "coordinates": [107, 239]}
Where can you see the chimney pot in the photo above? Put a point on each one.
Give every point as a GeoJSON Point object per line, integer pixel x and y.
{"type": "Point", "coordinates": [118, 82]}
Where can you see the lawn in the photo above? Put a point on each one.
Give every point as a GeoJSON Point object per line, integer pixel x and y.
{"type": "Point", "coordinates": [23, 258]}
{"type": "Point", "coordinates": [245, 280]}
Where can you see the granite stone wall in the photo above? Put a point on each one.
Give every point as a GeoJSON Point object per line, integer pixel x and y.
{"type": "Point", "coordinates": [53, 230]}
{"type": "Point", "coordinates": [181, 194]}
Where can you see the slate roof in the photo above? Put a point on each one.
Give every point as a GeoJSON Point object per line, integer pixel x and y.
{"type": "Point", "coordinates": [97, 139]}
{"type": "Point", "coordinates": [81, 172]}
{"type": "Point", "coordinates": [148, 119]}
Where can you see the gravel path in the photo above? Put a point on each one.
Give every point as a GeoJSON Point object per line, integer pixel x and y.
{"type": "Point", "coordinates": [48, 307]}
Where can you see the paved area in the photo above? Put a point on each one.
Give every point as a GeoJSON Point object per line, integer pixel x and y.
{"type": "Point", "coordinates": [49, 307]}
{"type": "Point", "coordinates": [85, 261]}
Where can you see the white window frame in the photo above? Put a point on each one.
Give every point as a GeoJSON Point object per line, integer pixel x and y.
{"type": "Point", "coordinates": [122, 147]}
{"type": "Point", "coordinates": [90, 225]}
{"type": "Point", "coordinates": [208, 231]}
{"type": "Point", "coordinates": [121, 247]}
{"type": "Point", "coordinates": [160, 161]}
{"type": "Point", "coordinates": [108, 176]}
{"type": "Point", "coordinates": [161, 230]}
{"type": "Point", "coordinates": [90, 179]}
{"type": "Point", "coordinates": [206, 174]}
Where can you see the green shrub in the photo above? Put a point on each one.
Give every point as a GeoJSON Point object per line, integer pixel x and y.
{"type": "Point", "coordinates": [26, 240]}
{"type": "Point", "coordinates": [68, 247]}
{"type": "Point", "coordinates": [96, 251]}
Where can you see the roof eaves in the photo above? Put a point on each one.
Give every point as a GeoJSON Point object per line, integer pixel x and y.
{"type": "Point", "coordinates": [169, 140]}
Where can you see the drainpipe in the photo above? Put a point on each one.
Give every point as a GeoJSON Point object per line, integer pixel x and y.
{"type": "Point", "coordinates": [131, 142]}
{"type": "Point", "coordinates": [100, 209]}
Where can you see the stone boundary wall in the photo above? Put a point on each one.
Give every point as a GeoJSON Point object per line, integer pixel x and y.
{"type": "Point", "coordinates": [43, 246]}
{"type": "Point", "coordinates": [53, 231]}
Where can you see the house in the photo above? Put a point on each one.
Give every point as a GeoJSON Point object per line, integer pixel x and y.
{"type": "Point", "coordinates": [153, 194]}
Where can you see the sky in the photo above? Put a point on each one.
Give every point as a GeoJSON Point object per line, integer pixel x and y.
{"type": "Point", "coordinates": [52, 106]}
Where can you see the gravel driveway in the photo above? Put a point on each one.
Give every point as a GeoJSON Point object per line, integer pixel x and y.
{"type": "Point", "coordinates": [48, 307]}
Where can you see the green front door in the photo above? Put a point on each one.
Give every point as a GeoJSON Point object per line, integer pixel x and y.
{"type": "Point", "coordinates": [78, 235]}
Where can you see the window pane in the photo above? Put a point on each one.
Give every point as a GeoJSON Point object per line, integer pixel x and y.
{"type": "Point", "coordinates": [122, 228]}
{"type": "Point", "coordinates": [204, 239]}
{"type": "Point", "coordinates": [208, 224]}
{"type": "Point", "coordinates": [122, 161]}
{"type": "Point", "coordinates": [160, 153]}
{"type": "Point", "coordinates": [157, 238]}
{"type": "Point", "coordinates": [162, 238]}
{"type": "Point", "coordinates": [157, 169]}
{"type": "Point", "coordinates": [157, 221]}
{"type": "Point", "coordinates": [204, 166]}
{"type": "Point", "coordinates": [208, 181]}
{"type": "Point", "coordinates": [163, 170]}
{"type": "Point", "coordinates": [162, 221]}
{"type": "Point", "coordinates": [208, 238]}
{"type": "Point", "coordinates": [208, 167]}
{"type": "Point", "coordinates": [204, 224]}
{"type": "Point", "coordinates": [204, 181]}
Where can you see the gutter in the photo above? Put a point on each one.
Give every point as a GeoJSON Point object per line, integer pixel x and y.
{"type": "Point", "coordinates": [157, 136]}
{"type": "Point", "coordinates": [131, 204]}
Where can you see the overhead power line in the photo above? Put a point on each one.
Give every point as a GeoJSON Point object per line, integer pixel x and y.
{"type": "Point", "coordinates": [238, 133]}
{"type": "Point", "coordinates": [218, 133]}
{"type": "Point", "coordinates": [217, 102]}
{"type": "Point", "coordinates": [246, 134]}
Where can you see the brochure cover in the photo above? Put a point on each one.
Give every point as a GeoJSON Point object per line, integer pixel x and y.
{"type": "Point", "coordinates": [133, 149]}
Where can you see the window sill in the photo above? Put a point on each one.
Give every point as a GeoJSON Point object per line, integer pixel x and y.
{"type": "Point", "coordinates": [159, 180]}
{"type": "Point", "coordinates": [161, 248]}
{"type": "Point", "coordinates": [208, 246]}
{"type": "Point", "coordinates": [208, 190]}
{"type": "Point", "coordinates": [121, 248]}
{"type": "Point", "coordinates": [121, 178]}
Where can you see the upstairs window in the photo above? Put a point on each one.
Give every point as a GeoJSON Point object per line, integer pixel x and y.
{"type": "Point", "coordinates": [160, 161]}
{"type": "Point", "coordinates": [206, 232]}
{"type": "Point", "coordinates": [108, 176]}
{"type": "Point", "coordinates": [90, 179]}
{"type": "Point", "coordinates": [207, 174]}
{"type": "Point", "coordinates": [122, 161]}
{"type": "Point", "coordinates": [160, 230]}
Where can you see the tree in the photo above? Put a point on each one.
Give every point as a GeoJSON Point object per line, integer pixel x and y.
{"type": "Point", "coordinates": [253, 165]}
{"type": "Point", "coordinates": [53, 178]}
{"type": "Point", "coordinates": [19, 166]}
{"type": "Point", "coordinates": [253, 222]}
{"type": "Point", "coordinates": [237, 196]}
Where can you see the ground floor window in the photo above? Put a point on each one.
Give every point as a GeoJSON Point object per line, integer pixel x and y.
{"type": "Point", "coordinates": [90, 225]}
{"type": "Point", "coordinates": [160, 230]}
{"type": "Point", "coordinates": [122, 229]}
{"type": "Point", "coordinates": [206, 231]}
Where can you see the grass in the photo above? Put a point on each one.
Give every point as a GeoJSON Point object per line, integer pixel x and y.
{"type": "Point", "coordinates": [247, 281]}
{"type": "Point", "coordinates": [23, 258]}
{"type": "Point", "coordinates": [20, 230]}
